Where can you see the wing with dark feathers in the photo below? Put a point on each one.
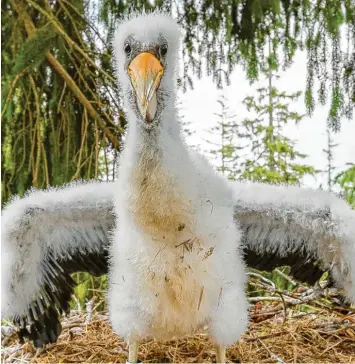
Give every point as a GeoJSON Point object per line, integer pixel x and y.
{"type": "Point", "coordinates": [46, 236]}
{"type": "Point", "coordinates": [311, 231]}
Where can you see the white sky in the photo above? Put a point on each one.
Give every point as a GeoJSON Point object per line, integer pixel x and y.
{"type": "Point", "coordinates": [200, 104]}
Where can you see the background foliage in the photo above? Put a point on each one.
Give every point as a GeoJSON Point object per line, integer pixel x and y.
{"type": "Point", "coordinates": [61, 111]}
{"type": "Point", "coordinates": [60, 106]}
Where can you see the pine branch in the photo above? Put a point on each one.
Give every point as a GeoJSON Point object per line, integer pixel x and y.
{"type": "Point", "coordinates": [67, 38]}
{"type": "Point", "coordinates": [31, 30]}
{"type": "Point", "coordinates": [12, 88]}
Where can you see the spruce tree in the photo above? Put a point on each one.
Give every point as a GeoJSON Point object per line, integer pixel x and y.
{"type": "Point", "coordinates": [226, 141]}
{"type": "Point", "coordinates": [273, 156]}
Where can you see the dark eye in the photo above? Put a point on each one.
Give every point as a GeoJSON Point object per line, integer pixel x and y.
{"type": "Point", "coordinates": [163, 49]}
{"type": "Point", "coordinates": [127, 49]}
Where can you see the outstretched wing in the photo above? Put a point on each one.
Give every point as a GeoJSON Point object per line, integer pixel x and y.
{"type": "Point", "coordinates": [311, 231]}
{"type": "Point", "coordinates": [46, 236]}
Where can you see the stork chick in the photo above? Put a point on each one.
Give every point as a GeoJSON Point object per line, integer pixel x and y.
{"type": "Point", "coordinates": [175, 260]}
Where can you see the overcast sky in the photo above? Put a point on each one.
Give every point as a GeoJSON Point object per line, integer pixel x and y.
{"type": "Point", "coordinates": [200, 104]}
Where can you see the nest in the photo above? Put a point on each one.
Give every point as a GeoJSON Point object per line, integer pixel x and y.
{"type": "Point", "coordinates": [324, 336]}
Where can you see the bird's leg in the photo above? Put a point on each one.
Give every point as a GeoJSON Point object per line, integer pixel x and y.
{"type": "Point", "coordinates": [220, 354]}
{"type": "Point", "coordinates": [133, 352]}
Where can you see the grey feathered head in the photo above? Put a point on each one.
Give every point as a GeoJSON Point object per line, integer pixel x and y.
{"type": "Point", "coordinates": [146, 51]}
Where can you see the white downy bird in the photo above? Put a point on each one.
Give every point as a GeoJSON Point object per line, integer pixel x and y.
{"type": "Point", "coordinates": [175, 256]}
{"type": "Point", "coordinates": [175, 264]}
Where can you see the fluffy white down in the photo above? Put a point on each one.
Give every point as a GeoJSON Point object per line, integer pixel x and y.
{"type": "Point", "coordinates": [175, 264]}
{"type": "Point", "coordinates": [286, 219]}
{"type": "Point", "coordinates": [61, 220]}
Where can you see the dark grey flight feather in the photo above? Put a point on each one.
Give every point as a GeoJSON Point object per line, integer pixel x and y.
{"type": "Point", "coordinates": [47, 235]}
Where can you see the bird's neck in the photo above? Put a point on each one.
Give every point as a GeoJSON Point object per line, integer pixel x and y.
{"type": "Point", "coordinates": [153, 168]}
{"type": "Point", "coordinates": [162, 144]}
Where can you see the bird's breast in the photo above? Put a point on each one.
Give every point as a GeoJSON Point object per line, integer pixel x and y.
{"type": "Point", "coordinates": [159, 206]}
{"type": "Point", "coordinates": [173, 265]}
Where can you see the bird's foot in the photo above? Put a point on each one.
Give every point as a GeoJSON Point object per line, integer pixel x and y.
{"type": "Point", "coordinates": [220, 354]}
{"type": "Point", "coordinates": [133, 352]}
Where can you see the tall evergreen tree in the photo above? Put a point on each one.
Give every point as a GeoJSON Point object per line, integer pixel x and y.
{"type": "Point", "coordinates": [224, 141]}
{"type": "Point", "coordinates": [273, 157]}
{"type": "Point", "coordinates": [255, 148]}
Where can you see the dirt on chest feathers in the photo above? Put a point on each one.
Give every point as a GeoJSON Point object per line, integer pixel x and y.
{"type": "Point", "coordinates": [178, 292]}
{"type": "Point", "coordinates": [159, 208]}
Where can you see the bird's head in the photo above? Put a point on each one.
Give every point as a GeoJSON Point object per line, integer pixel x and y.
{"type": "Point", "coordinates": [146, 52]}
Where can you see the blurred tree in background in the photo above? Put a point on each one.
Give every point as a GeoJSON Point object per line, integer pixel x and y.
{"type": "Point", "coordinates": [255, 148]}
{"type": "Point", "coordinates": [61, 111]}
{"type": "Point", "coordinates": [227, 149]}
{"type": "Point", "coordinates": [218, 34]}
{"type": "Point", "coordinates": [272, 157]}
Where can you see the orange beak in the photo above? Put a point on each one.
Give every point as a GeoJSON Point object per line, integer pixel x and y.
{"type": "Point", "coordinates": [145, 72]}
